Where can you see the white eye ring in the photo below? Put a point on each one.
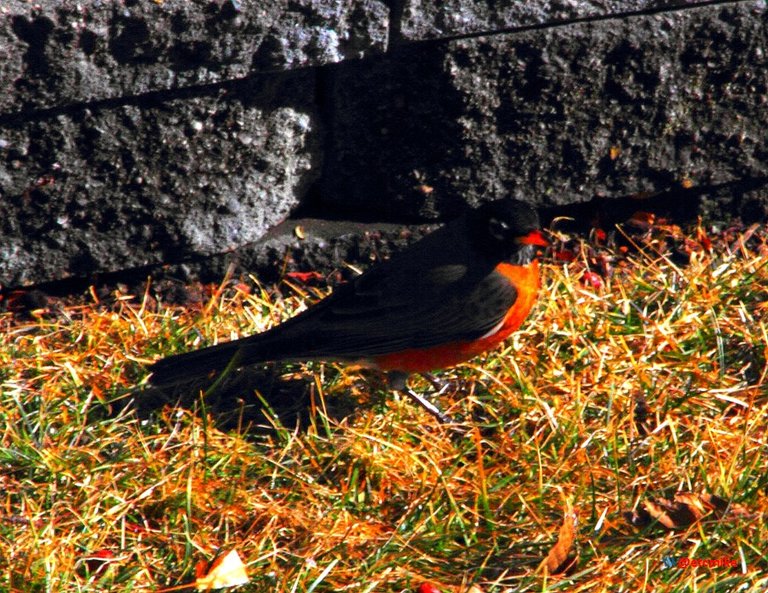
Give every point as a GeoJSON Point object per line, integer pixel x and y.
{"type": "Point", "coordinates": [498, 228]}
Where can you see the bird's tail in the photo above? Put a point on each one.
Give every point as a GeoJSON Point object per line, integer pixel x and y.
{"type": "Point", "coordinates": [197, 364]}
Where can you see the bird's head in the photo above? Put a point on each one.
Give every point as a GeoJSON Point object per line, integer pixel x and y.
{"type": "Point", "coordinates": [506, 230]}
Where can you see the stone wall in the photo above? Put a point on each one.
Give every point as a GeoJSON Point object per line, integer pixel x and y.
{"type": "Point", "coordinates": [137, 133]}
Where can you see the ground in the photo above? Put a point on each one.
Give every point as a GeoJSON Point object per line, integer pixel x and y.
{"type": "Point", "coordinates": [626, 420]}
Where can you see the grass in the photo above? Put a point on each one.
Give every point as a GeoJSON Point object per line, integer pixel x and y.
{"type": "Point", "coordinates": [638, 375]}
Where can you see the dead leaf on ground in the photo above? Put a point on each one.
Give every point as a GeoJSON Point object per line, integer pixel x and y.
{"type": "Point", "coordinates": [683, 510]}
{"type": "Point", "coordinates": [226, 571]}
{"type": "Point", "coordinates": [563, 556]}
{"type": "Point", "coordinates": [643, 421]}
{"type": "Point", "coordinates": [723, 506]}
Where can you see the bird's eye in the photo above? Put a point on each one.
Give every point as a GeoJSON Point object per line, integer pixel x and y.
{"type": "Point", "coordinates": [498, 229]}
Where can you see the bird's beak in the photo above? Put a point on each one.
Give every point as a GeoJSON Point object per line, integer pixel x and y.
{"type": "Point", "coordinates": [534, 238]}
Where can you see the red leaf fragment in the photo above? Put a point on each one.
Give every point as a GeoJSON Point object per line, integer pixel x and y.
{"type": "Point", "coordinates": [565, 255]}
{"type": "Point", "coordinates": [97, 562]}
{"type": "Point", "coordinates": [304, 276]}
{"type": "Point", "coordinates": [592, 279]}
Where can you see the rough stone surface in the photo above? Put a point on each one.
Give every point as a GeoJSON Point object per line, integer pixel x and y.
{"type": "Point", "coordinates": [59, 52]}
{"type": "Point", "coordinates": [559, 115]}
{"type": "Point", "coordinates": [134, 133]}
{"type": "Point", "coordinates": [103, 189]}
{"type": "Point", "coordinates": [312, 245]}
{"type": "Point", "coordinates": [428, 20]}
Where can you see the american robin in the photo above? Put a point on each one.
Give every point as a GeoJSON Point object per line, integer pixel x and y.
{"type": "Point", "coordinates": [458, 292]}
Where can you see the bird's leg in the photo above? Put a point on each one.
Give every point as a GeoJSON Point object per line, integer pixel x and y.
{"type": "Point", "coordinates": [398, 382]}
{"type": "Point", "coordinates": [438, 385]}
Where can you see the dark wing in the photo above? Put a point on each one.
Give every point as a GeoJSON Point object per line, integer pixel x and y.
{"type": "Point", "coordinates": [438, 291]}
{"type": "Point", "coordinates": [383, 312]}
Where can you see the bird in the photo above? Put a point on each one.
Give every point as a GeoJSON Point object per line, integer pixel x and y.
{"type": "Point", "coordinates": [456, 293]}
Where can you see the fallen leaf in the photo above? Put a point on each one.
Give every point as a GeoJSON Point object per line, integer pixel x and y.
{"type": "Point", "coordinates": [671, 514]}
{"type": "Point", "coordinates": [683, 510]}
{"type": "Point", "coordinates": [562, 557]}
{"type": "Point", "coordinates": [592, 279]}
{"type": "Point", "coordinates": [694, 503]}
{"type": "Point", "coordinates": [642, 414]}
{"type": "Point", "coordinates": [565, 255]}
{"type": "Point", "coordinates": [703, 239]}
{"type": "Point", "coordinates": [226, 571]}
{"type": "Point", "coordinates": [304, 276]}
{"type": "Point", "coordinates": [98, 561]}
{"type": "Point", "coordinates": [638, 517]}
{"type": "Point", "coordinates": [722, 506]}
{"type": "Point", "coordinates": [642, 220]}
{"type": "Point", "coordinates": [243, 288]}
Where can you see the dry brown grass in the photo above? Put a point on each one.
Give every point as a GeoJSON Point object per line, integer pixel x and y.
{"type": "Point", "coordinates": [647, 381]}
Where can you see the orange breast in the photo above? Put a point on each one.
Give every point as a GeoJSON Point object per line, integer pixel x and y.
{"type": "Point", "coordinates": [526, 281]}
